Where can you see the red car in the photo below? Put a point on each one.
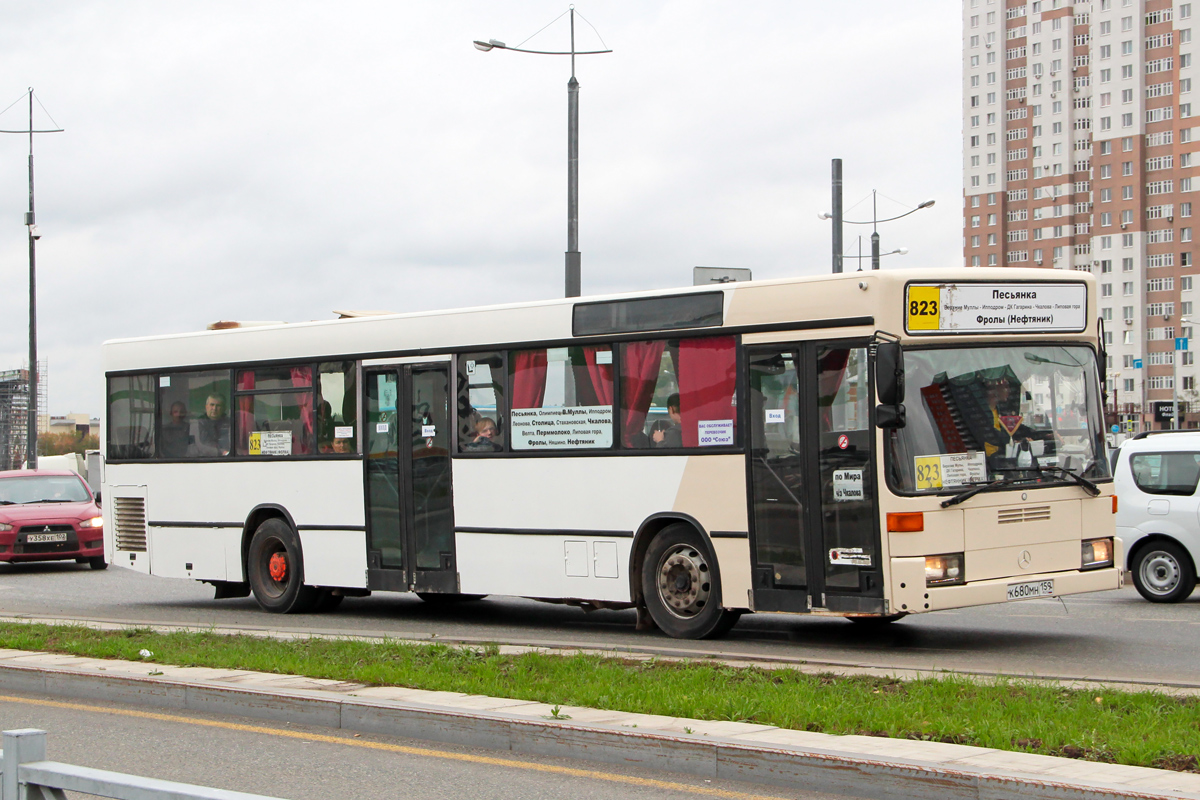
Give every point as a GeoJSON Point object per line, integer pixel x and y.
{"type": "Point", "coordinates": [49, 515]}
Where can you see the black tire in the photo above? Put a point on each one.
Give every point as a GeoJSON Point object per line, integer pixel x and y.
{"type": "Point", "coordinates": [97, 562]}
{"type": "Point", "coordinates": [1163, 572]}
{"type": "Point", "coordinates": [285, 592]}
{"type": "Point", "coordinates": [327, 601]}
{"type": "Point", "coordinates": [439, 599]}
{"type": "Point", "coordinates": [680, 586]}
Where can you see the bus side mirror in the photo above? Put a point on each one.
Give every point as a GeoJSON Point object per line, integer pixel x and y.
{"type": "Point", "coordinates": [889, 385]}
{"type": "Point", "coordinates": [889, 373]}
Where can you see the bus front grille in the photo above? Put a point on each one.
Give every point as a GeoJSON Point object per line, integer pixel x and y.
{"type": "Point", "coordinates": [1009, 516]}
{"type": "Point", "coordinates": [129, 523]}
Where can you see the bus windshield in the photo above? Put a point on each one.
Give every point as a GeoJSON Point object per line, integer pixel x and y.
{"type": "Point", "coordinates": [981, 414]}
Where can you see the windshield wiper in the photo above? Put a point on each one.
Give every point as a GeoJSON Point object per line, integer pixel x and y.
{"type": "Point", "coordinates": [979, 488]}
{"type": "Point", "coordinates": [53, 500]}
{"type": "Point", "coordinates": [1087, 485]}
{"type": "Point", "coordinates": [8, 502]}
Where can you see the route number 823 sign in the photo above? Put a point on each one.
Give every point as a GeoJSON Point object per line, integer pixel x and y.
{"type": "Point", "coordinates": [1018, 307]}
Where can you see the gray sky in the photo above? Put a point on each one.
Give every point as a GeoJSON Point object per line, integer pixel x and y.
{"type": "Point", "coordinates": [278, 160]}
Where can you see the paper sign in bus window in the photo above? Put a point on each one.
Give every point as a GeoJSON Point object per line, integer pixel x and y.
{"type": "Point", "coordinates": [343, 432]}
{"type": "Point", "coordinates": [950, 469]}
{"type": "Point", "coordinates": [847, 485]}
{"type": "Point", "coordinates": [850, 557]}
{"type": "Point", "coordinates": [603, 357]}
{"type": "Point", "coordinates": [775, 415]}
{"type": "Point", "coordinates": [428, 430]}
{"type": "Point", "coordinates": [715, 432]}
{"type": "Point", "coordinates": [271, 443]}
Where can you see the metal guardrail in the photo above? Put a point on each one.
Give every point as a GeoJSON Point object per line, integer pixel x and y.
{"type": "Point", "coordinates": [25, 774]}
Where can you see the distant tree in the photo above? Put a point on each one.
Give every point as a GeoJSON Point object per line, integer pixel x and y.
{"type": "Point", "coordinates": [57, 444]}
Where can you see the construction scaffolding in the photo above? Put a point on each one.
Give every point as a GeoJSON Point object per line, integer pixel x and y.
{"type": "Point", "coordinates": [14, 413]}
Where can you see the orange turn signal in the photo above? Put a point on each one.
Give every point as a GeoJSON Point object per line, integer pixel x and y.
{"type": "Point", "coordinates": [907, 522]}
{"type": "Point", "coordinates": [1114, 504]}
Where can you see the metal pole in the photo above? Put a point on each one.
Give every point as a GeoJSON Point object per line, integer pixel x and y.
{"type": "Point", "coordinates": [1174, 390]}
{"type": "Point", "coordinates": [574, 276]}
{"type": "Point", "coordinates": [31, 446]}
{"type": "Point", "coordinates": [874, 233]}
{"type": "Point", "coordinates": [837, 215]}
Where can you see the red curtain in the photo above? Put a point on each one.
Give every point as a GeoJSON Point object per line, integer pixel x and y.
{"type": "Point", "coordinates": [529, 378]}
{"type": "Point", "coordinates": [601, 375]}
{"type": "Point", "coordinates": [302, 377]}
{"type": "Point", "coordinates": [707, 378]}
{"type": "Point", "coordinates": [245, 411]}
{"type": "Point", "coordinates": [640, 362]}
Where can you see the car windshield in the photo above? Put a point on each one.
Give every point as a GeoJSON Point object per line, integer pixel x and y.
{"type": "Point", "coordinates": [981, 414]}
{"type": "Point", "coordinates": [42, 489]}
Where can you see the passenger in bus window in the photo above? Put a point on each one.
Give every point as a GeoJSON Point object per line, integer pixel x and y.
{"type": "Point", "coordinates": [485, 438]}
{"type": "Point", "coordinates": [212, 430]}
{"type": "Point", "coordinates": [176, 434]}
{"type": "Point", "coordinates": [325, 424]}
{"type": "Point", "coordinates": [343, 446]}
{"type": "Point", "coordinates": [668, 432]}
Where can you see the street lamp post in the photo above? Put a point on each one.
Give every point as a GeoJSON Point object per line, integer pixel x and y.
{"type": "Point", "coordinates": [573, 258]}
{"type": "Point", "coordinates": [873, 222]}
{"type": "Point", "coordinates": [875, 255]}
{"type": "Point", "coordinates": [31, 227]}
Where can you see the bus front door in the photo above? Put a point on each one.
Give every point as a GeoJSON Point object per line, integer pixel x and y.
{"type": "Point", "coordinates": [410, 522]}
{"type": "Point", "coordinates": [814, 530]}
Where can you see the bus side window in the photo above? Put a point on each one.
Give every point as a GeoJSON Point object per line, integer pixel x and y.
{"type": "Point", "coordinates": [337, 407]}
{"type": "Point", "coordinates": [131, 417]}
{"type": "Point", "coordinates": [482, 411]}
{"type": "Point", "coordinates": [678, 393]}
{"type": "Point", "coordinates": [194, 414]}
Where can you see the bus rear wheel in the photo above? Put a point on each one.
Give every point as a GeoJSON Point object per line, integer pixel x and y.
{"type": "Point", "coordinates": [276, 570]}
{"type": "Point", "coordinates": [681, 588]}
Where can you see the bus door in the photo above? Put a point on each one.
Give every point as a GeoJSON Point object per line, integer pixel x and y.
{"type": "Point", "coordinates": [814, 521]}
{"type": "Point", "coordinates": [410, 522]}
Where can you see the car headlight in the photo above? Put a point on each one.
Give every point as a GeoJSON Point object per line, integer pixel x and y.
{"type": "Point", "coordinates": [4, 526]}
{"type": "Point", "coordinates": [944, 570]}
{"type": "Point", "coordinates": [94, 522]}
{"type": "Point", "coordinates": [1097, 553]}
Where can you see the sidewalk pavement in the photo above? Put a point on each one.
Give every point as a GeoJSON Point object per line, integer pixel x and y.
{"type": "Point", "coordinates": [858, 766]}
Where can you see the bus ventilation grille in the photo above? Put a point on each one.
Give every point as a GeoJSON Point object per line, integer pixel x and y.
{"type": "Point", "coordinates": [129, 521]}
{"type": "Point", "coordinates": [1009, 516]}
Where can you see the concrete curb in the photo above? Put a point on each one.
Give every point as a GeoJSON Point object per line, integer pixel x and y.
{"type": "Point", "coordinates": [879, 769]}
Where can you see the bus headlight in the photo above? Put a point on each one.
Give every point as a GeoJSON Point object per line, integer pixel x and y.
{"type": "Point", "coordinates": [944, 570]}
{"type": "Point", "coordinates": [94, 522]}
{"type": "Point", "coordinates": [1097, 553]}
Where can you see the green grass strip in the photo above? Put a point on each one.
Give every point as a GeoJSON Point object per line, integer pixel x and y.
{"type": "Point", "coordinates": [1139, 728]}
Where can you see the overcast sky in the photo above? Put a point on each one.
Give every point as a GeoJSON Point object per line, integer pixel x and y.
{"type": "Point", "coordinates": [278, 160]}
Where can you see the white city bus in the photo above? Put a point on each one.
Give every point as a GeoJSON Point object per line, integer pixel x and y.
{"type": "Point", "coordinates": [867, 445]}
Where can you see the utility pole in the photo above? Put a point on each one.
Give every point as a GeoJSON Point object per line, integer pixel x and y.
{"type": "Point", "coordinates": [31, 454]}
{"type": "Point", "coordinates": [837, 215]}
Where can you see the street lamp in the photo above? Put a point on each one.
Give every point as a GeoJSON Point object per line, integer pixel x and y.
{"type": "Point", "coordinates": [874, 223]}
{"type": "Point", "coordinates": [1179, 340]}
{"type": "Point", "coordinates": [573, 269]}
{"type": "Point", "coordinates": [899, 251]}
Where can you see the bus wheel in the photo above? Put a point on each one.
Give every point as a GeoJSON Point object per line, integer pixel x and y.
{"type": "Point", "coordinates": [680, 588]}
{"type": "Point", "coordinates": [1163, 573]}
{"type": "Point", "coordinates": [276, 570]}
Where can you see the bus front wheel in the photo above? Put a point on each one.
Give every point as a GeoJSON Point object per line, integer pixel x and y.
{"type": "Point", "coordinates": [680, 586]}
{"type": "Point", "coordinates": [276, 570]}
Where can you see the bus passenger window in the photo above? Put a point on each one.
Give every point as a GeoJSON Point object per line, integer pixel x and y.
{"type": "Point", "coordinates": [131, 417]}
{"type": "Point", "coordinates": [842, 390]}
{"type": "Point", "coordinates": [562, 398]}
{"type": "Point", "coordinates": [481, 410]}
{"type": "Point", "coordinates": [194, 414]}
{"type": "Point", "coordinates": [678, 393]}
{"type": "Point", "coordinates": [337, 407]}
{"type": "Point", "coordinates": [275, 414]}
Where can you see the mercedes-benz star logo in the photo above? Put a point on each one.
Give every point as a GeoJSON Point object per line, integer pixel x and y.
{"type": "Point", "coordinates": [1025, 559]}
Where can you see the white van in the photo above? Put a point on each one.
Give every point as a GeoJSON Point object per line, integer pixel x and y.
{"type": "Point", "coordinates": [1158, 512]}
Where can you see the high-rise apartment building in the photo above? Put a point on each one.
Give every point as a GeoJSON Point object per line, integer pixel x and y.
{"type": "Point", "coordinates": [1080, 151]}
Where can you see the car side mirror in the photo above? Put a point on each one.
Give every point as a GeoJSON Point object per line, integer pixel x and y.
{"type": "Point", "coordinates": [97, 496]}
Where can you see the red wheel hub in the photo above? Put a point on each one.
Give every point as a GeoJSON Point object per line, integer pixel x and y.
{"type": "Point", "coordinates": [278, 567]}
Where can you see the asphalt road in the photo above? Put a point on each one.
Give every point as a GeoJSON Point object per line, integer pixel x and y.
{"type": "Point", "coordinates": [299, 762]}
{"type": "Point", "coordinates": [1110, 635]}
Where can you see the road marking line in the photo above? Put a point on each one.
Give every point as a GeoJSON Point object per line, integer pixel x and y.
{"type": "Point", "coordinates": [397, 748]}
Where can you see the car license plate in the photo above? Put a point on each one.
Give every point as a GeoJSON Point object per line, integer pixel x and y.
{"type": "Point", "coordinates": [33, 538]}
{"type": "Point", "coordinates": [1023, 591]}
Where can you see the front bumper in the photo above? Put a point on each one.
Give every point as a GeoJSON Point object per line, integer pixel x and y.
{"type": "Point", "coordinates": [996, 591]}
{"type": "Point", "coordinates": [87, 543]}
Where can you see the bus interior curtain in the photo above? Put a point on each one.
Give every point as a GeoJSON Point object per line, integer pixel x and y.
{"type": "Point", "coordinates": [831, 371]}
{"type": "Point", "coordinates": [640, 363]}
{"type": "Point", "coordinates": [302, 443]}
{"type": "Point", "coordinates": [245, 411]}
{"type": "Point", "coordinates": [529, 378]}
{"type": "Point", "coordinates": [600, 374]}
{"type": "Point", "coordinates": [707, 377]}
